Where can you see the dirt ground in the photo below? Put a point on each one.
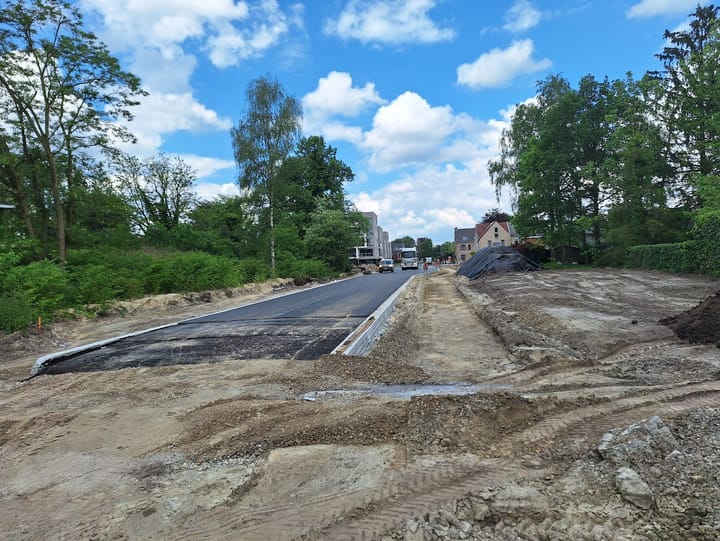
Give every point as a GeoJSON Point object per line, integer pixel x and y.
{"type": "Point", "coordinates": [551, 405]}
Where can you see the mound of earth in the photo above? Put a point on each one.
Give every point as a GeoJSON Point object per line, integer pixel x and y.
{"type": "Point", "coordinates": [496, 259]}
{"type": "Point", "coordinates": [699, 325]}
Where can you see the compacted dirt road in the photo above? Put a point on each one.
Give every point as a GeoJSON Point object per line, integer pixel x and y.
{"type": "Point", "coordinates": [544, 405]}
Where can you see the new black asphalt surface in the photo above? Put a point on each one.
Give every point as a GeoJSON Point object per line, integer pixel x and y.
{"type": "Point", "coordinates": [301, 325]}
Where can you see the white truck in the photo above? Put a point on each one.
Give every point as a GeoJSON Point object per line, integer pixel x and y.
{"type": "Point", "coordinates": [409, 259]}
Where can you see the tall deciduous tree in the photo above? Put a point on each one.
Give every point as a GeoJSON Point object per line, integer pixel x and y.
{"type": "Point", "coordinates": [64, 88]}
{"type": "Point", "coordinates": [406, 242]}
{"type": "Point", "coordinates": [262, 141]}
{"type": "Point", "coordinates": [331, 233]}
{"type": "Point", "coordinates": [312, 179]}
{"type": "Point", "coordinates": [159, 188]}
{"type": "Point", "coordinates": [689, 105]}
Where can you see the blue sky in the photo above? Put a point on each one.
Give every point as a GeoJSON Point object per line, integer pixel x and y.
{"type": "Point", "coordinates": [413, 94]}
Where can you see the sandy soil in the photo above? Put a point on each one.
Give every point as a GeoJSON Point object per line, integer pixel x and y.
{"type": "Point", "coordinates": [573, 382]}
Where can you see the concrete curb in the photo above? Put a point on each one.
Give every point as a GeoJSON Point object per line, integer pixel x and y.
{"type": "Point", "coordinates": [361, 340]}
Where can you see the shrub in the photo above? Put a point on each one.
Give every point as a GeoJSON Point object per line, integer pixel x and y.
{"type": "Point", "coordinates": [17, 313]}
{"type": "Point", "coordinates": [252, 270]}
{"type": "Point", "coordinates": [191, 271]}
{"type": "Point", "coordinates": [44, 285]}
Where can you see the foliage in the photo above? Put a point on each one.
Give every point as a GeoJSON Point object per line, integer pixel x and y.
{"type": "Point", "coordinates": [444, 250]}
{"type": "Point", "coordinates": [425, 247]}
{"type": "Point", "coordinates": [64, 92]}
{"type": "Point", "coordinates": [44, 285]}
{"type": "Point", "coordinates": [406, 242]}
{"type": "Point", "coordinates": [17, 312]}
{"type": "Point", "coordinates": [495, 215]}
{"type": "Point", "coordinates": [190, 271]}
{"type": "Point", "coordinates": [330, 234]}
{"type": "Point", "coordinates": [302, 270]}
{"type": "Point", "coordinates": [262, 142]}
{"type": "Point", "coordinates": [159, 189]}
{"type": "Point", "coordinates": [688, 103]}
{"type": "Point", "coordinates": [628, 161]}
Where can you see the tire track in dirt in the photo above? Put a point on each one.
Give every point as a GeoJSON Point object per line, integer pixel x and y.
{"type": "Point", "coordinates": [595, 420]}
{"type": "Point", "coordinates": [399, 495]}
{"type": "Point", "coordinates": [358, 514]}
{"type": "Point", "coordinates": [492, 473]}
{"type": "Point", "coordinates": [552, 371]}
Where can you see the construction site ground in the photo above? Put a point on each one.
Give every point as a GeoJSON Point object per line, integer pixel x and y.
{"type": "Point", "coordinates": [549, 405]}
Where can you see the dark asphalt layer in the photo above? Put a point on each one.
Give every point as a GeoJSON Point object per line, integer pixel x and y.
{"type": "Point", "coordinates": [301, 325]}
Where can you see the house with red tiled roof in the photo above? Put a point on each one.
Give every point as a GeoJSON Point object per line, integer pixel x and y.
{"type": "Point", "coordinates": [496, 234]}
{"type": "Point", "coordinates": [470, 240]}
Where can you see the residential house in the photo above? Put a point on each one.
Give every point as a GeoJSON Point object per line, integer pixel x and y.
{"type": "Point", "coordinates": [470, 240]}
{"type": "Point", "coordinates": [496, 234]}
{"type": "Point", "coordinates": [465, 243]}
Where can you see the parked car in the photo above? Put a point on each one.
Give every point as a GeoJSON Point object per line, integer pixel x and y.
{"type": "Point", "coordinates": [386, 265]}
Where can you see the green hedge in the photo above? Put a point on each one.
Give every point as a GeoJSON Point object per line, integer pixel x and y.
{"type": "Point", "coordinates": [699, 256]}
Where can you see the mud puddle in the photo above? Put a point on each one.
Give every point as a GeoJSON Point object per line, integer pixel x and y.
{"type": "Point", "coordinates": [406, 391]}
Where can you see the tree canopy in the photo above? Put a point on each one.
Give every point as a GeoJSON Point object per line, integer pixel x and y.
{"type": "Point", "coordinates": [60, 92]}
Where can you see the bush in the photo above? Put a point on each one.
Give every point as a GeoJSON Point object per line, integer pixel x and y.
{"type": "Point", "coordinates": [302, 270]}
{"type": "Point", "coordinates": [43, 284]}
{"type": "Point", "coordinates": [252, 270]}
{"type": "Point", "coordinates": [191, 271]}
{"type": "Point", "coordinates": [17, 313]}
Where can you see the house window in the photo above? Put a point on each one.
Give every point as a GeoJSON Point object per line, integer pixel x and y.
{"type": "Point", "coordinates": [502, 243]}
{"type": "Point", "coordinates": [462, 257]}
{"type": "Point", "coordinates": [489, 243]}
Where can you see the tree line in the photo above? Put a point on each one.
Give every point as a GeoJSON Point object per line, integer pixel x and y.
{"type": "Point", "coordinates": [83, 210]}
{"type": "Point", "coordinates": [612, 164]}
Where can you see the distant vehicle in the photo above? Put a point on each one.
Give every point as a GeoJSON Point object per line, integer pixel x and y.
{"type": "Point", "coordinates": [428, 260]}
{"type": "Point", "coordinates": [409, 259]}
{"type": "Point", "coordinates": [386, 265]}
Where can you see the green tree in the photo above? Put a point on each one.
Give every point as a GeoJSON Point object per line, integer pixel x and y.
{"type": "Point", "coordinates": [689, 102]}
{"type": "Point", "coordinates": [227, 223]}
{"type": "Point", "coordinates": [262, 141]}
{"type": "Point", "coordinates": [62, 89]}
{"type": "Point", "coordinates": [636, 168]}
{"type": "Point", "coordinates": [441, 251]}
{"type": "Point", "coordinates": [425, 247]}
{"type": "Point", "coordinates": [495, 215]}
{"type": "Point", "coordinates": [159, 189]}
{"type": "Point", "coordinates": [331, 233]}
{"type": "Point", "coordinates": [407, 242]}
{"type": "Point", "coordinates": [313, 178]}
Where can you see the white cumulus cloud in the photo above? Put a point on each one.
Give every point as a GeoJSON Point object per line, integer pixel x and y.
{"type": "Point", "coordinates": [388, 21]}
{"type": "Point", "coordinates": [653, 8]}
{"type": "Point", "coordinates": [499, 67]}
{"type": "Point", "coordinates": [521, 16]}
{"type": "Point", "coordinates": [160, 114]}
{"type": "Point", "coordinates": [335, 96]}
{"type": "Point", "coordinates": [406, 131]}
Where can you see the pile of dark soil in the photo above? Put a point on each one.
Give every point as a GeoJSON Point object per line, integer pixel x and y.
{"type": "Point", "coordinates": [496, 259]}
{"type": "Point", "coordinates": [699, 325]}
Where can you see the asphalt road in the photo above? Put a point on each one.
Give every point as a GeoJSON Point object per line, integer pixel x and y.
{"type": "Point", "coordinates": [301, 325]}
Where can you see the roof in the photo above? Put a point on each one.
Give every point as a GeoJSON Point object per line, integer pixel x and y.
{"type": "Point", "coordinates": [466, 234]}
{"type": "Point", "coordinates": [481, 229]}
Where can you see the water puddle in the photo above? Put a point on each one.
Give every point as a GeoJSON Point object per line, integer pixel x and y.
{"type": "Point", "coordinates": [406, 391]}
